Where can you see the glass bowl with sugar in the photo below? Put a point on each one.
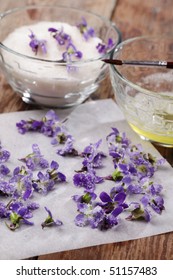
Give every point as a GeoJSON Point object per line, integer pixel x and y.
{"type": "Point", "coordinates": [52, 55]}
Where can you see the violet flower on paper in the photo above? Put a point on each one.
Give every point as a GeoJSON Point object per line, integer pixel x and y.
{"type": "Point", "coordinates": [87, 179]}
{"type": "Point", "coordinates": [4, 155]}
{"type": "Point", "coordinates": [92, 155]}
{"type": "Point", "coordinates": [68, 148]}
{"type": "Point", "coordinates": [35, 159]}
{"type": "Point", "coordinates": [138, 212]}
{"type": "Point", "coordinates": [4, 170]}
{"type": "Point", "coordinates": [18, 214]}
{"type": "Point", "coordinates": [45, 182]}
{"type": "Point", "coordinates": [50, 221]}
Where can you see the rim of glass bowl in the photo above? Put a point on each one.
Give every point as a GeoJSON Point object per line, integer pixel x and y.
{"type": "Point", "coordinates": [85, 12]}
{"type": "Point", "coordinates": [128, 82]}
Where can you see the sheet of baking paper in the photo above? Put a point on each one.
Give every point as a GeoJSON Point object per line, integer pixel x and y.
{"type": "Point", "coordinates": [87, 123]}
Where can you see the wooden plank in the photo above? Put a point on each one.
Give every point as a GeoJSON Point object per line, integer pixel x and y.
{"type": "Point", "coordinates": [101, 7]}
{"type": "Point", "coordinates": [136, 17]}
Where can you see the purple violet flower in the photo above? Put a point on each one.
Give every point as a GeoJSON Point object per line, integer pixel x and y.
{"type": "Point", "coordinates": [37, 44]}
{"type": "Point", "coordinates": [30, 125]}
{"type": "Point", "coordinates": [104, 48]}
{"type": "Point", "coordinates": [92, 155]}
{"type": "Point", "coordinates": [71, 53]}
{"type": "Point", "coordinates": [87, 179]}
{"type": "Point", "coordinates": [138, 212]}
{"type": "Point", "coordinates": [4, 170]}
{"type": "Point", "coordinates": [68, 148]}
{"type": "Point", "coordinates": [47, 181]}
{"type": "Point", "coordinates": [6, 189]}
{"type": "Point", "coordinates": [35, 159]}
{"type": "Point", "coordinates": [85, 30]}
{"type": "Point", "coordinates": [87, 197]}
{"type": "Point", "coordinates": [49, 221]}
{"type": "Point", "coordinates": [59, 35]}
{"type": "Point", "coordinates": [4, 155]}
{"type": "Point", "coordinates": [18, 213]}
{"type": "Point", "coordinates": [111, 204]}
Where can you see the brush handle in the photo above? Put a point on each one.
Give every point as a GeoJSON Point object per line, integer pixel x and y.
{"type": "Point", "coordinates": [167, 64]}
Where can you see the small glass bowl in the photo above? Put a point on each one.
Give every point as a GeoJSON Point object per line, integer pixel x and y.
{"type": "Point", "coordinates": [38, 81]}
{"type": "Point", "coordinates": [145, 94]}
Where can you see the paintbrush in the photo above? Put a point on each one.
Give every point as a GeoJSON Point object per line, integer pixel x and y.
{"type": "Point", "coordinates": [167, 64]}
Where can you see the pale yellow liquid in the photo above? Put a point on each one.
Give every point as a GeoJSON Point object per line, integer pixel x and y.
{"type": "Point", "coordinates": [166, 140]}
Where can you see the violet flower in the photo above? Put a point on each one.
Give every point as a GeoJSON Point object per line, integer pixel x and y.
{"type": "Point", "coordinates": [92, 155]}
{"type": "Point", "coordinates": [68, 148]}
{"type": "Point", "coordinates": [47, 181]}
{"type": "Point", "coordinates": [3, 210]}
{"type": "Point", "coordinates": [6, 189]}
{"type": "Point", "coordinates": [95, 217]}
{"type": "Point", "coordinates": [87, 179]}
{"type": "Point", "coordinates": [37, 44]}
{"type": "Point", "coordinates": [138, 212]}
{"type": "Point", "coordinates": [49, 221]}
{"type": "Point", "coordinates": [117, 203]}
{"type": "Point", "coordinates": [85, 30]}
{"type": "Point", "coordinates": [30, 125]}
{"type": "Point", "coordinates": [87, 197]}
{"type": "Point", "coordinates": [71, 53]}
{"type": "Point", "coordinates": [104, 48]}
{"type": "Point", "coordinates": [4, 155]}
{"type": "Point", "coordinates": [35, 159]}
{"type": "Point", "coordinates": [18, 213]}
{"type": "Point", "coordinates": [59, 35]}
{"type": "Point", "coordinates": [4, 170]}
{"type": "Point", "coordinates": [156, 202]}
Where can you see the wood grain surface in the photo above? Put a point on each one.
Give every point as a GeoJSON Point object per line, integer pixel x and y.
{"type": "Point", "coordinates": [134, 18]}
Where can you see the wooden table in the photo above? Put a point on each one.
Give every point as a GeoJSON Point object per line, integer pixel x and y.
{"type": "Point", "coordinates": [134, 17]}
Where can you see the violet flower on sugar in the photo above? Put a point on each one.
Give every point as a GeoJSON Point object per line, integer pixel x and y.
{"type": "Point", "coordinates": [35, 159]}
{"type": "Point", "coordinates": [37, 44]}
{"type": "Point", "coordinates": [85, 30]}
{"type": "Point", "coordinates": [50, 221]}
{"type": "Point", "coordinates": [71, 53]}
{"type": "Point", "coordinates": [46, 182]}
{"type": "Point", "coordinates": [104, 48]}
{"type": "Point", "coordinates": [60, 36]}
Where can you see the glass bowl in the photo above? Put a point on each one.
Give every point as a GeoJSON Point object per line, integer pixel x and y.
{"type": "Point", "coordinates": [53, 82]}
{"type": "Point", "coordinates": [145, 93]}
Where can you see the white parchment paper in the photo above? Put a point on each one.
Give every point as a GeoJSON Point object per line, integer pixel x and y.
{"type": "Point", "coordinates": [87, 123]}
